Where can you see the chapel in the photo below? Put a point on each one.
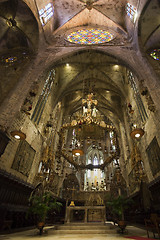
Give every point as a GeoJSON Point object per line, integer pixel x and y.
{"type": "Point", "coordinates": [80, 110]}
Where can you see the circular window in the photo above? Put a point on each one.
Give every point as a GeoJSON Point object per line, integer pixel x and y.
{"type": "Point", "coordinates": [155, 54]}
{"type": "Point", "coordinates": [90, 36]}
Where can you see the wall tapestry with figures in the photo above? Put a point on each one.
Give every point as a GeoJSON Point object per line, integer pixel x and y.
{"type": "Point", "coordinates": [153, 152]}
{"type": "Point", "coordinates": [24, 158]}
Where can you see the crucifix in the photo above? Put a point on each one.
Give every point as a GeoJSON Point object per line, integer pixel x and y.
{"type": "Point", "coordinates": [89, 105]}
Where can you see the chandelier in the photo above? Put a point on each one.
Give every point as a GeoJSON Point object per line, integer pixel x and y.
{"type": "Point", "coordinates": [86, 128]}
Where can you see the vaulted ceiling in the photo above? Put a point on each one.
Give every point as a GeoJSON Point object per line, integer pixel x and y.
{"type": "Point", "coordinates": [70, 11]}
{"type": "Point", "coordinates": [92, 71]}
{"type": "Point", "coordinates": [149, 25]}
{"type": "Point", "coordinates": [98, 68]}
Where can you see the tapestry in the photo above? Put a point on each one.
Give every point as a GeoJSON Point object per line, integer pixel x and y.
{"type": "Point", "coordinates": [153, 152]}
{"type": "Point", "coordinates": [24, 158]}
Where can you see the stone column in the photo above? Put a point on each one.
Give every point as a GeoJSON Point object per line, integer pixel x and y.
{"type": "Point", "coordinates": [13, 102]}
{"type": "Point", "coordinates": [86, 215]}
{"type": "Point", "coordinates": [67, 217]}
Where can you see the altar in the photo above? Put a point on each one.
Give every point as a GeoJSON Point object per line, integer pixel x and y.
{"type": "Point", "coordinates": [85, 214]}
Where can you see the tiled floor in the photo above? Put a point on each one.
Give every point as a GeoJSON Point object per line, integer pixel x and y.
{"type": "Point", "coordinates": [50, 234]}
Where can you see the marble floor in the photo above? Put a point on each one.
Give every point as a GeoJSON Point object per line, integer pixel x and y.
{"type": "Point", "coordinates": [50, 234]}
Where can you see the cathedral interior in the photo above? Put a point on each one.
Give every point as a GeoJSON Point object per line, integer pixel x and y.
{"type": "Point", "coordinates": [79, 108]}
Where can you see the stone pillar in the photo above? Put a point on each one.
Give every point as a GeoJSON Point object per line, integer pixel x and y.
{"type": "Point", "coordinates": [67, 216]}
{"type": "Point", "coordinates": [104, 215]}
{"type": "Point", "coordinates": [13, 102]}
{"type": "Point", "coordinates": [86, 215]}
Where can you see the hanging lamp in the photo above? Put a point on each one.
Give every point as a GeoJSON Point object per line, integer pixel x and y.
{"type": "Point", "coordinates": [17, 134]}
{"type": "Point", "coordinates": [137, 133]}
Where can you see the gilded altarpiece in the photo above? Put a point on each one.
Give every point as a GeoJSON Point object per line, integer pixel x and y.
{"type": "Point", "coordinates": [24, 158]}
{"type": "Point", "coordinates": [153, 152]}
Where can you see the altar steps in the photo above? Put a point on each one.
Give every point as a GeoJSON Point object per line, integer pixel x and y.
{"type": "Point", "coordinates": [85, 229]}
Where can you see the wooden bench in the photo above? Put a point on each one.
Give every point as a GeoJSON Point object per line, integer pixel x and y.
{"type": "Point", "coordinates": [153, 224]}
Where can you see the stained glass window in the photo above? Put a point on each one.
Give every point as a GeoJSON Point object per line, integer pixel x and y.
{"type": "Point", "coordinates": [46, 13]}
{"type": "Point", "coordinates": [10, 60]}
{"type": "Point", "coordinates": [38, 111]}
{"type": "Point", "coordinates": [155, 54]}
{"type": "Point", "coordinates": [137, 96]}
{"type": "Point", "coordinates": [95, 160]}
{"type": "Point", "coordinates": [131, 11]}
{"type": "Point", "coordinates": [90, 36]}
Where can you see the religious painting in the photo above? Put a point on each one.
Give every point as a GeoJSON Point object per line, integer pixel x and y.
{"type": "Point", "coordinates": [153, 152]}
{"type": "Point", "coordinates": [24, 158]}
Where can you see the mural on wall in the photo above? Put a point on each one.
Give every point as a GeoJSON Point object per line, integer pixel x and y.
{"type": "Point", "coordinates": [153, 152]}
{"type": "Point", "coordinates": [24, 158]}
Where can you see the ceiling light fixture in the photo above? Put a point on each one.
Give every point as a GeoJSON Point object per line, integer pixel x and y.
{"type": "Point", "coordinates": [11, 22]}
{"type": "Point", "coordinates": [77, 154]}
{"type": "Point", "coordinates": [18, 135]}
{"type": "Point", "coordinates": [137, 135]}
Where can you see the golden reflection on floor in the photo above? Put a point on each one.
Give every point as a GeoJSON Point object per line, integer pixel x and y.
{"type": "Point", "coordinates": [50, 234]}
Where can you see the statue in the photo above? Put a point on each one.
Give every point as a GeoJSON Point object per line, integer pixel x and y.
{"type": "Point", "coordinates": [87, 187]}
{"type": "Point", "coordinates": [85, 110]}
{"type": "Point", "coordinates": [102, 186]}
{"type": "Point", "coordinates": [94, 112]}
{"type": "Point", "coordinates": [97, 187]}
{"type": "Point", "coordinates": [93, 188]}
{"type": "Point", "coordinates": [89, 106]}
